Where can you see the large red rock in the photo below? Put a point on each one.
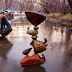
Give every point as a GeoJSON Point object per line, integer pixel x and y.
{"type": "Point", "coordinates": [31, 60]}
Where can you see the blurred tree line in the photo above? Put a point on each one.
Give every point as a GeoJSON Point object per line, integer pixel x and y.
{"type": "Point", "coordinates": [45, 6]}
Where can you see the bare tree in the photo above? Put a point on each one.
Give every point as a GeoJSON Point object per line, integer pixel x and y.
{"type": "Point", "coordinates": [8, 3]}
{"type": "Point", "coordinates": [46, 6]}
{"type": "Point", "coordinates": [42, 4]}
{"type": "Point", "coordinates": [70, 4]}
{"type": "Point", "coordinates": [2, 4]}
{"type": "Point", "coordinates": [64, 7]}
{"type": "Point", "coordinates": [49, 5]}
{"type": "Point", "coordinates": [21, 6]}
{"type": "Point", "coordinates": [26, 5]}
{"type": "Point", "coordinates": [29, 5]}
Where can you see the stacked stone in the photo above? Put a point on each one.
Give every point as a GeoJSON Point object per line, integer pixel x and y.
{"type": "Point", "coordinates": [38, 46]}
{"type": "Point", "coordinates": [36, 19]}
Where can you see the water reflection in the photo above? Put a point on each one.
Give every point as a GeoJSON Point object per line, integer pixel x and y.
{"type": "Point", "coordinates": [58, 53]}
{"type": "Point", "coordinates": [5, 46]}
{"type": "Point", "coordinates": [34, 69]}
{"type": "Point", "coordinates": [67, 64]}
{"type": "Point", "coordinates": [68, 41]}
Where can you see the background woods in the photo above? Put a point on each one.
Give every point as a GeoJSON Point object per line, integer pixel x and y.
{"type": "Point", "coordinates": [45, 6]}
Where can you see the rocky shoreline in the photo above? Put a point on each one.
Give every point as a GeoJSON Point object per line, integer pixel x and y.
{"type": "Point", "coordinates": [63, 22]}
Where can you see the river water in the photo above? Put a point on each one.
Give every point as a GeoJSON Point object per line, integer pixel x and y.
{"type": "Point", "coordinates": [58, 52]}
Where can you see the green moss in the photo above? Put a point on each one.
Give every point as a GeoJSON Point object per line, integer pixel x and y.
{"type": "Point", "coordinates": [67, 17]}
{"type": "Point", "coordinates": [54, 15]}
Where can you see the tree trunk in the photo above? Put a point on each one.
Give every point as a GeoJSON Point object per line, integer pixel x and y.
{"type": "Point", "coordinates": [64, 9]}
{"type": "Point", "coordinates": [6, 2]}
{"type": "Point", "coordinates": [70, 4]}
{"type": "Point", "coordinates": [71, 9]}
{"type": "Point", "coordinates": [10, 3]}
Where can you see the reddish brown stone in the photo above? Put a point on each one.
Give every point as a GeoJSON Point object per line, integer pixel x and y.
{"type": "Point", "coordinates": [35, 18]}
